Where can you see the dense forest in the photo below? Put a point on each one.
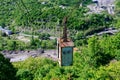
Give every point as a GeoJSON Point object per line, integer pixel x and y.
{"type": "Point", "coordinates": [97, 57]}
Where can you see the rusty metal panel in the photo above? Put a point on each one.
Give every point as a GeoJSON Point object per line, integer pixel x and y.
{"type": "Point", "coordinates": [65, 44]}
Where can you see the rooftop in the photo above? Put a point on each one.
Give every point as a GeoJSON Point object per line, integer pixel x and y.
{"type": "Point", "coordinates": [69, 43]}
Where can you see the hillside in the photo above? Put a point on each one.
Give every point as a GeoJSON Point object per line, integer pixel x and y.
{"type": "Point", "coordinates": [33, 13]}
{"type": "Point", "coordinates": [45, 69]}
{"type": "Point", "coordinates": [28, 38]}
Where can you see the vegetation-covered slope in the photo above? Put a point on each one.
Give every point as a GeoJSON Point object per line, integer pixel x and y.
{"type": "Point", "coordinates": [99, 57]}
{"type": "Point", "coordinates": [45, 69]}
{"type": "Point", "coordinates": [99, 60]}
{"type": "Point", "coordinates": [37, 14]}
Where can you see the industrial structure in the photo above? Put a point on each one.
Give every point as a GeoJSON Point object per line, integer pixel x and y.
{"type": "Point", "coordinates": [65, 48]}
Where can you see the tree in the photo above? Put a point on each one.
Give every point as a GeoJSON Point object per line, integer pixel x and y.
{"type": "Point", "coordinates": [44, 36]}
{"type": "Point", "coordinates": [7, 71]}
{"type": "Point", "coordinates": [24, 74]}
{"type": "Point", "coordinates": [12, 45]}
{"type": "Point", "coordinates": [97, 54]}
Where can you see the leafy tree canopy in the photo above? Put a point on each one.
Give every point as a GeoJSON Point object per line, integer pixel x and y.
{"type": "Point", "coordinates": [7, 71]}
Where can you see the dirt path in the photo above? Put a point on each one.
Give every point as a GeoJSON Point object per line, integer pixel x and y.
{"type": "Point", "coordinates": [16, 56]}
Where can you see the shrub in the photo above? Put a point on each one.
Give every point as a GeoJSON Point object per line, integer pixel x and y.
{"type": "Point", "coordinates": [7, 71]}
{"type": "Point", "coordinates": [24, 74]}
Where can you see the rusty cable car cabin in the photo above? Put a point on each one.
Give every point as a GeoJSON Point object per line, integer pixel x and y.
{"type": "Point", "coordinates": [65, 48]}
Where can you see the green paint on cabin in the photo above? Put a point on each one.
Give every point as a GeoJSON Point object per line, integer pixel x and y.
{"type": "Point", "coordinates": [67, 56]}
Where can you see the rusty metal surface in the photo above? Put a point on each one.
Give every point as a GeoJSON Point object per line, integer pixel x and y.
{"type": "Point", "coordinates": [65, 44]}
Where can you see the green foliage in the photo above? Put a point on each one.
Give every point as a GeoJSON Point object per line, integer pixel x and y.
{"type": "Point", "coordinates": [48, 44]}
{"type": "Point", "coordinates": [117, 7]}
{"type": "Point", "coordinates": [117, 11]}
{"type": "Point", "coordinates": [92, 31]}
{"type": "Point", "coordinates": [44, 36]}
{"type": "Point", "coordinates": [117, 22]}
{"type": "Point", "coordinates": [34, 43]}
{"type": "Point", "coordinates": [97, 54]}
{"type": "Point", "coordinates": [9, 43]}
{"type": "Point", "coordinates": [37, 71]}
{"type": "Point", "coordinates": [46, 69]}
{"type": "Point", "coordinates": [75, 3]}
{"type": "Point", "coordinates": [79, 35]}
{"type": "Point", "coordinates": [109, 72]}
{"type": "Point", "coordinates": [14, 45]}
{"type": "Point", "coordinates": [7, 71]}
{"type": "Point", "coordinates": [111, 45]}
{"type": "Point", "coordinates": [6, 12]}
{"type": "Point", "coordinates": [23, 74]}
{"type": "Point", "coordinates": [31, 13]}
{"type": "Point", "coordinates": [80, 42]}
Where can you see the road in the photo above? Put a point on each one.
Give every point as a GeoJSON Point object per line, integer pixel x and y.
{"type": "Point", "coordinates": [27, 35]}
{"type": "Point", "coordinates": [108, 31]}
